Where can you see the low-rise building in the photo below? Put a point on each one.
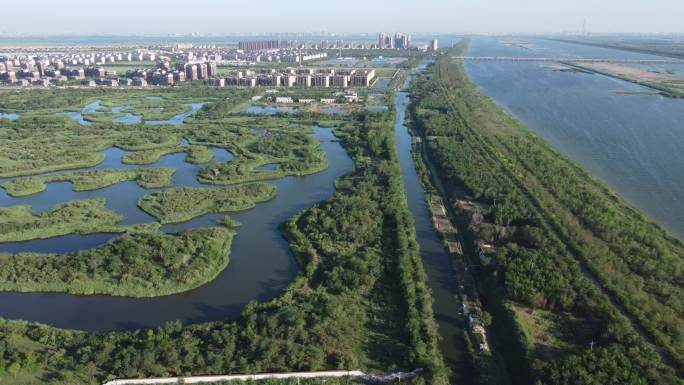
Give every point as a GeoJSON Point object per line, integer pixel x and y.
{"type": "Point", "coordinates": [247, 82]}
{"type": "Point", "coordinates": [340, 81]}
{"type": "Point", "coordinates": [363, 78]}
{"type": "Point", "coordinates": [139, 82]}
{"type": "Point", "coordinates": [284, 100]}
{"type": "Point", "coordinates": [321, 80]}
{"type": "Point", "coordinates": [288, 80]}
{"type": "Point", "coordinates": [216, 82]}
{"type": "Point", "coordinates": [304, 80]}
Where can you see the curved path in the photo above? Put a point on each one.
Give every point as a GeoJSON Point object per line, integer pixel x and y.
{"type": "Point", "coordinates": [261, 263]}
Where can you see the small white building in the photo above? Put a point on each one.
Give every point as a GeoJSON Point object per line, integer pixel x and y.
{"type": "Point", "coordinates": [284, 100]}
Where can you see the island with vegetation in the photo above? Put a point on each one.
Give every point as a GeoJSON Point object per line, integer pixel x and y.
{"type": "Point", "coordinates": [184, 203]}
{"type": "Point", "coordinates": [148, 178]}
{"type": "Point", "coordinates": [20, 223]}
{"type": "Point", "coordinates": [142, 263]}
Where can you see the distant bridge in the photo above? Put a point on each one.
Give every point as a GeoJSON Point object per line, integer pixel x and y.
{"type": "Point", "coordinates": [561, 59]}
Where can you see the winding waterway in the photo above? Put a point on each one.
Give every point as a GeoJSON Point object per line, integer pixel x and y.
{"type": "Point", "coordinates": [633, 142]}
{"type": "Point", "coordinates": [261, 264]}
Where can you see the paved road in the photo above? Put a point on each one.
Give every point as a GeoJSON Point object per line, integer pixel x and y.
{"type": "Point", "coordinates": [234, 377]}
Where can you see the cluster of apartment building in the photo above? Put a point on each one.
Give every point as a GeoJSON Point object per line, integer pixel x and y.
{"type": "Point", "coordinates": [290, 77]}
{"type": "Point", "coordinates": [30, 72]}
{"type": "Point", "coordinates": [228, 56]}
{"type": "Point", "coordinates": [264, 45]}
{"type": "Point", "coordinates": [299, 77]}
{"type": "Point", "coordinates": [44, 69]}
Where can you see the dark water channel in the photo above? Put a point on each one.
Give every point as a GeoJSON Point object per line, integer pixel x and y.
{"type": "Point", "coordinates": [441, 276]}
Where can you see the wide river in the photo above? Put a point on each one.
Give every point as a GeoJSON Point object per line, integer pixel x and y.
{"type": "Point", "coordinates": [633, 142]}
{"type": "Point", "coordinates": [261, 264]}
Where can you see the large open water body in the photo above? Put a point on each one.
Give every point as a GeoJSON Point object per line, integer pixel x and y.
{"type": "Point", "coordinates": [635, 143]}
{"type": "Point", "coordinates": [261, 264]}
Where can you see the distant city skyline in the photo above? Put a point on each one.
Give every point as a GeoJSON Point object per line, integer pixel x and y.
{"type": "Point", "coordinates": [216, 17]}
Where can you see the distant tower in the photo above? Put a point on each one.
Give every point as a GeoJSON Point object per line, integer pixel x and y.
{"type": "Point", "coordinates": [382, 40]}
{"type": "Point", "coordinates": [584, 27]}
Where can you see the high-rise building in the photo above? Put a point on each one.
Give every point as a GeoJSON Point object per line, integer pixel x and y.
{"type": "Point", "coordinates": [42, 66]}
{"type": "Point", "coordinates": [202, 71]}
{"type": "Point", "coordinates": [434, 45]}
{"type": "Point", "coordinates": [382, 38]}
{"type": "Point", "coordinates": [211, 69]}
{"type": "Point", "coordinates": [402, 41]}
{"type": "Point", "coordinates": [389, 42]}
{"type": "Point", "coordinates": [191, 72]}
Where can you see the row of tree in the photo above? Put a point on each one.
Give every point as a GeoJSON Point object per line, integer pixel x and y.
{"type": "Point", "coordinates": [547, 216]}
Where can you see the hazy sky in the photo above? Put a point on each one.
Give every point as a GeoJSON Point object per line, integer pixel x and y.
{"type": "Point", "coordinates": [226, 17]}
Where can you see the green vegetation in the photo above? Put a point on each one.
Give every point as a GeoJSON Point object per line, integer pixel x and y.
{"type": "Point", "coordinates": [19, 223]}
{"type": "Point", "coordinates": [40, 141]}
{"type": "Point", "coordinates": [360, 301]}
{"type": "Point", "coordinates": [185, 203]}
{"type": "Point", "coordinates": [150, 156]}
{"type": "Point", "coordinates": [142, 263]}
{"type": "Point", "coordinates": [565, 245]}
{"type": "Point", "coordinates": [91, 180]}
{"type": "Point", "coordinates": [294, 151]}
{"type": "Point", "coordinates": [196, 155]}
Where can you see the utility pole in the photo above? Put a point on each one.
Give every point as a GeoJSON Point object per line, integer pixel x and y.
{"type": "Point", "coordinates": [584, 27]}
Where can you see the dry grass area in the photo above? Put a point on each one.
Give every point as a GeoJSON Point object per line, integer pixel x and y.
{"type": "Point", "coordinates": [632, 73]}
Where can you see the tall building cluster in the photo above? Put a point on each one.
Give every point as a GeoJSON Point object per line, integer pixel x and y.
{"type": "Point", "coordinates": [397, 41]}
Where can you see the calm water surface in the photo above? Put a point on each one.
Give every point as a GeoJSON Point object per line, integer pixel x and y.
{"type": "Point", "coordinates": [635, 143]}
{"type": "Point", "coordinates": [261, 264]}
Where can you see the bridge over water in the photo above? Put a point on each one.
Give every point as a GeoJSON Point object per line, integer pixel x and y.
{"type": "Point", "coordinates": [562, 59]}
